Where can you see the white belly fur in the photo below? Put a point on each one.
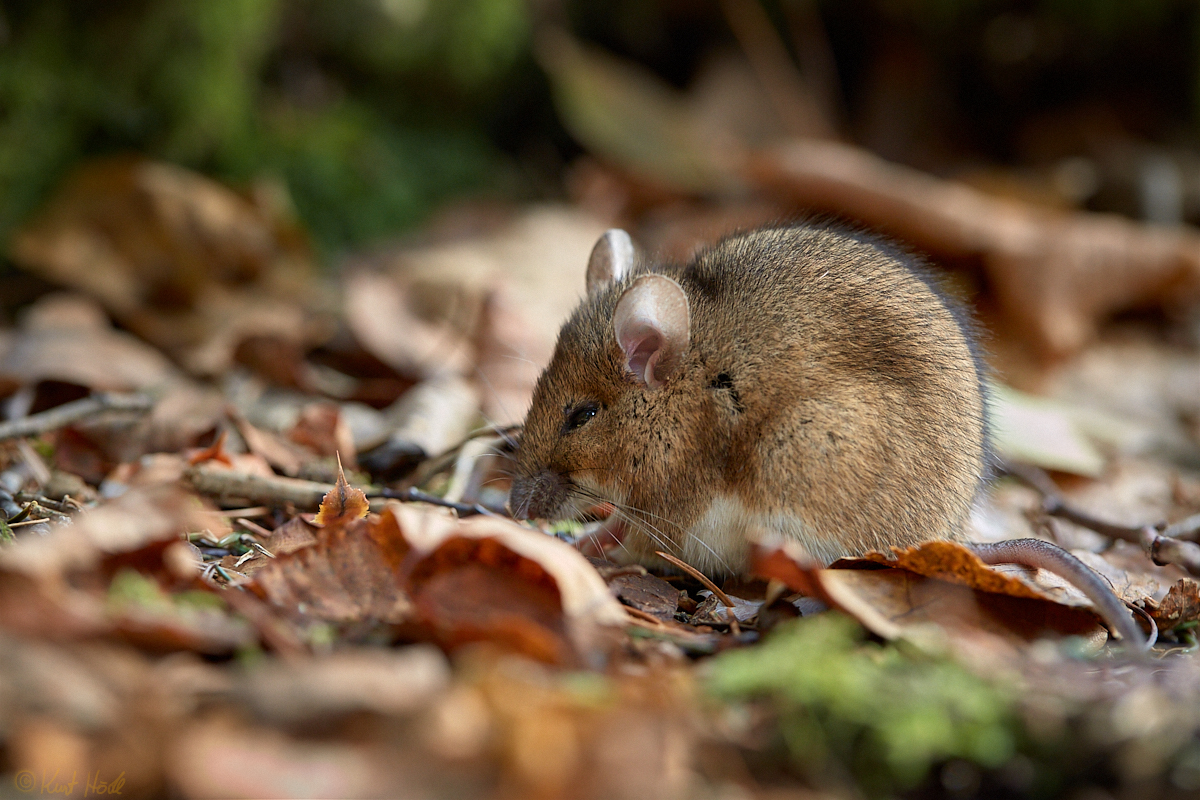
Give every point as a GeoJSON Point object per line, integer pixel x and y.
{"type": "Point", "coordinates": [719, 542]}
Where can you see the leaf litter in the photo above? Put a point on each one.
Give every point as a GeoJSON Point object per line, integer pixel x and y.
{"type": "Point", "coordinates": [284, 567]}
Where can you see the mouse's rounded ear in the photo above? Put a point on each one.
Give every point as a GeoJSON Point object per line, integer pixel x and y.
{"type": "Point", "coordinates": [652, 325]}
{"type": "Point", "coordinates": [611, 259]}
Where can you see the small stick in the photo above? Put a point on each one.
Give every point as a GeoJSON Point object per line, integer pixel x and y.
{"type": "Point", "coordinates": [274, 490]}
{"type": "Point", "coordinates": [1184, 529]}
{"type": "Point", "coordinates": [412, 494]}
{"type": "Point", "coordinates": [644, 616]}
{"type": "Point", "coordinates": [26, 522]}
{"type": "Point", "coordinates": [253, 527]}
{"type": "Point", "coordinates": [1165, 550]}
{"type": "Point", "coordinates": [1161, 548]}
{"type": "Point", "coordinates": [253, 511]}
{"type": "Point", "coordinates": [1054, 505]}
{"type": "Point", "coordinates": [68, 413]}
{"type": "Point", "coordinates": [695, 573]}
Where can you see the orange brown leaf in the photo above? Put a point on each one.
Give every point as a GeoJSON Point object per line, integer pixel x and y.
{"type": "Point", "coordinates": [343, 504]}
{"type": "Point", "coordinates": [350, 574]}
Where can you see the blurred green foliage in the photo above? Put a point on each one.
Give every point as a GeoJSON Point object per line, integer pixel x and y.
{"type": "Point", "coordinates": [369, 110]}
{"type": "Point", "coordinates": [847, 707]}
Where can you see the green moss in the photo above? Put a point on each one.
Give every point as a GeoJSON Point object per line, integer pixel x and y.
{"type": "Point", "coordinates": [847, 704]}
{"type": "Point", "coordinates": [397, 129]}
{"type": "Point", "coordinates": [130, 588]}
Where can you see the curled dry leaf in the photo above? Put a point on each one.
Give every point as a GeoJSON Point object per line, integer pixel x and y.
{"type": "Point", "coordinates": [943, 583]}
{"type": "Point", "coordinates": [457, 581]}
{"type": "Point", "coordinates": [489, 579]}
{"type": "Point", "coordinates": [1182, 604]}
{"type": "Point", "coordinates": [68, 338]}
{"type": "Point", "coordinates": [950, 561]}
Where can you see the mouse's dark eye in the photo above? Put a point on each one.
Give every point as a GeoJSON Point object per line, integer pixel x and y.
{"type": "Point", "coordinates": [578, 416]}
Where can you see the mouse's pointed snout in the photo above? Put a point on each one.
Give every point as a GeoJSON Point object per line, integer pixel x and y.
{"type": "Point", "coordinates": [537, 496]}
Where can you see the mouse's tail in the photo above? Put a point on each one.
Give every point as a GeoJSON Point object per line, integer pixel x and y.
{"type": "Point", "coordinates": [1045, 555]}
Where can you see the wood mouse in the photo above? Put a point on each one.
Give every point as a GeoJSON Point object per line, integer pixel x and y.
{"type": "Point", "coordinates": [797, 382]}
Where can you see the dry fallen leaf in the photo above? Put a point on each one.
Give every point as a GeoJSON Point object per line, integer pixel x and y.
{"type": "Point", "coordinates": [136, 518]}
{"type": "Point", "coordinates": [1182, 604]}
{"type": "Point", "coordinates": [951, 561]}
{"type": "Point", "coordinates": [322, 429]}
{"type": "Point", "coordinates": [176, 257]}
{"type": "Point", "coordinates": [293, 535]}
{"type": "Point", "coordinates": [343, 505]}
{"type": "Point", "coordinates": [68, 338]}
{"type": "Point", "coordinates": [286, 456]}
{"type": "Point", "coordinates": [646, 593]}
{"type": "Point", "coordinates": [503, 296]}
{"type": "Point", "coordinates": [386, 681]}
{"type": "Point", "coordinates": [480, 579]}
{"type": "Point", "coordinates": [352, 573]}
{"type": "Point", "coordinates": [983, 612]}
{"type": "Point", "coordinates": [222, 756]}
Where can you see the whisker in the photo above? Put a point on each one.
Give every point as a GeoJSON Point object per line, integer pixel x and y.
{"type": "Point", "coordinates": [626, 514]}
{"type": "Point", "coordinates": [528, 361]}
{"type": "Point", "coordinates": [656, 534]}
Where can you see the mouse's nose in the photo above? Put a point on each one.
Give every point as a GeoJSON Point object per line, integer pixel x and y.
{"type": "Point", "coordinates": [537, 496]}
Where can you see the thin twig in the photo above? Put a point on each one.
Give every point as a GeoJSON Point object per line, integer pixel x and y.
{"type": "Point", "coordinates": [1164, 550]}
{"type": "Point", "coordinates": [1186, 528]}
{"type": "Point", "coordinates": [253, 511]}
{"type": "Point", "coordinates": [643, 615]}
{"type": "Point", "coordinates": [69, 413]}
{"type": "Point", "coordinates": [25, 522]}
{"type": "Point", "coordinates": [66, 506]}
{"type": "Point", "coordinates": [1153, 539]}
{"type": "Point", "coordinates": [1140, 612]}
{"type": "Point", "coordinates": [414, 495]}
{"type": "Point", "coordinates": [1054, 505]}
{"type": "Point", "coordinates": [698, 575]}
{"type": "Point", "coordinates": [253, 527]}
{"type": "Point", "coordinates": [274, 490]}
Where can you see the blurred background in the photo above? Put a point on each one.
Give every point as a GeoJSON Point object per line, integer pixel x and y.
{"type": "Point", "coordinates": [369, 115]}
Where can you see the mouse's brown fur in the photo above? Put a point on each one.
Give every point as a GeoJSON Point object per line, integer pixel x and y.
{"type": "Point", "coordinates": [828, 394]}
